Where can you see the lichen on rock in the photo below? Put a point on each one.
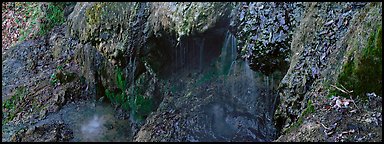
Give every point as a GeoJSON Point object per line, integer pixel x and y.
{"type": "Point", "coordinates": [186, 18]}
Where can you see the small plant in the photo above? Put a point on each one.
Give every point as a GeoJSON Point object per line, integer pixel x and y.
{"type": "Point", "coordinates": [109, 95]}
{"type": "Point", "coordinates": [139, 105]}
{"type": "Point", "coordinates": [120, 97]}
{"type": "Point", "coordinates": [55, 77]}
{"type": "Point", "coordinates": [143, 106]}
{"type": "Point", "coordinates": [121, 83]}
{"type": "Point", "coordinates": [37, 22]}
{"type": "Point", "coordinates": [310, 109]}
{"type": "Point", "coordinates": [59, 67]}
{"type": "Point", "coordinates": [53, 16]}
{"type": "Point", "coordinates": [61, 76]}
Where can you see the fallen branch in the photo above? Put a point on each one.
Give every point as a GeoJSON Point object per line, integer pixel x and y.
{"type": "Point", "coordinates": [324, 126]}
{"type": "Point", "coordinates": [353, 102]}
{"type": "Point", "coordinates": [344, 90]}
{"type": "Point", "coordinates": [326, 129]}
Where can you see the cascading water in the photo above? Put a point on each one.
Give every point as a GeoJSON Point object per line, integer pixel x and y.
{"type": "Point", "coordinates": [243, 109]}
{"type": "Point", "coordinates": [176, 59]}
{"type": "Point", "coordinates": [201, 55]}
{"type": "Point", "coordinates": [228, 53]}
{"type": "Point", "coordinates": [250, 75]}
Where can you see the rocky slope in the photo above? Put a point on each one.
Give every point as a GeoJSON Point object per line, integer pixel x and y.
{"type": "Point", "coordinates": [324, 44]}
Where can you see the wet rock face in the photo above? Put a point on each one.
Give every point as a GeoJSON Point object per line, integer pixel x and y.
{"type": "Point", "coordinates": [264, 32]}
{"type": "Point", "coordinates": [194, 52]}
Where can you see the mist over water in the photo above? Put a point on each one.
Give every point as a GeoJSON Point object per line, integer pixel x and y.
{"type": "Point", "coordinates": [91, 130]}
{"type": "Point", "coordinates": [92, 122]}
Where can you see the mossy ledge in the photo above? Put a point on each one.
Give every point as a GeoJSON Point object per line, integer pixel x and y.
{"type": "Point", "coordinates": [363, 74]}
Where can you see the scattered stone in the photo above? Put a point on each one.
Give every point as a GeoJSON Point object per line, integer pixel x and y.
{"type": "Point", "coordinates": [55, 132]}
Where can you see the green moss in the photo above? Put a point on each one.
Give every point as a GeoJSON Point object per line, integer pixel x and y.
{"type": "Point", "coordinates": [369, 68]}
{"type": "Point", "coordinates": [110, 95]}
{"type": "Point", "coordinates": [347, 78]}
{"type": "Point", "coordinates": [310, 109]}
{"type": "Point", "coordinates": [10, 104]}
{"type": "Point", "coordinates": [294, 126]}
{"type": "Point", "coordinates": [363, 73]}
